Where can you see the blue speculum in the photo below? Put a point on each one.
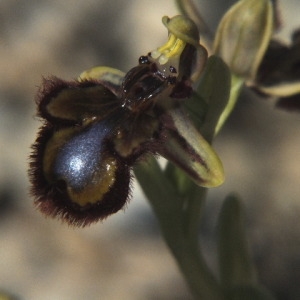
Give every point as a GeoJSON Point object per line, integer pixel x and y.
{"type": "Point", "coordinates": [80, 157]}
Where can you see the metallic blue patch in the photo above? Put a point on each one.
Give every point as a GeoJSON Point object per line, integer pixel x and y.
{"type": "Point", "coordinates": [80, 157]}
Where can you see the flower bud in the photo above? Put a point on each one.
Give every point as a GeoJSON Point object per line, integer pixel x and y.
{"type": "Point", "coordinates": [243, 36]}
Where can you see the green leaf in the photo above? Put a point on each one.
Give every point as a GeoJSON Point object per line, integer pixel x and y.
{"type": "Point", "coordinates": [235, 264]}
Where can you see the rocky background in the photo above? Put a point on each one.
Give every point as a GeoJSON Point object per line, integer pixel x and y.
{"type": "Point", "coordinates": [125, 256]}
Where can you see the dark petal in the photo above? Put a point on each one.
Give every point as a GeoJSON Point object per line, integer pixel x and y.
{"type": "Point", "coordinates": [141, 85]}
{"type": "Point", "coordinates": [75, 176]}
{"type": "Point", "coordinates": [290, 103]}
{"type": "Point", "coordinates": [72, 102]}
{"type": "Point", "coordinates": [271, 69]}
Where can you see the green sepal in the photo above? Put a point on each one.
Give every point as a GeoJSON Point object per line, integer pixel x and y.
{"type": "Point", "coordinates": [214, 88]}
{"type": "Point", "coordinates": [284, 89]}
{"type": "Point", "coordinates": [197, 108]}
{"type": "Point", "coordinates": [185, 147]}
{"type": "Point", "coordinates": [204, 108]}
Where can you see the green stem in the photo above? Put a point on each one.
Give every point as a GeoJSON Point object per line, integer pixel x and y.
{"type": "Point", "coordinates": [180, 230]}
{"type": "Point", "coordinates": [196, 273]}
{"type": "Point", "coordinates": [201, 281]}
{"type": "Point", "coordinates": [193, 213]}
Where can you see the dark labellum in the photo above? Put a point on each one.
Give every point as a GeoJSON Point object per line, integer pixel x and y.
{"type": "Point", "coordinates": [80, 167]}
{"type": "Point", "coordinates": [73, 179]}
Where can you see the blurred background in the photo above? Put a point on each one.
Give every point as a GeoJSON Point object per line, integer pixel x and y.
{"type": "Point", "coordinates": [125, 256]}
